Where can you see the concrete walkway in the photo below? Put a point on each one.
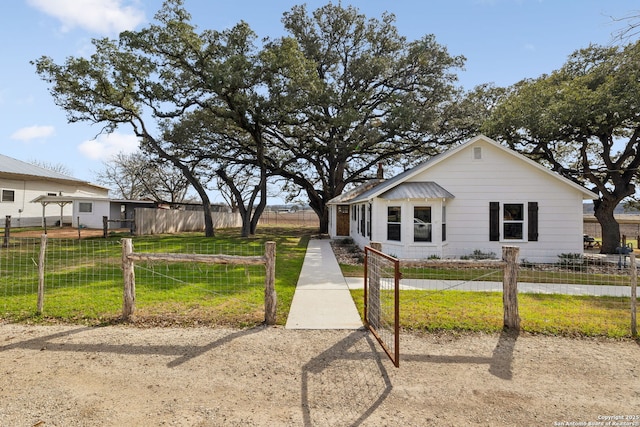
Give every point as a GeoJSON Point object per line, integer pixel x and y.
{"type": "Point", "coordinates": [322, 299]}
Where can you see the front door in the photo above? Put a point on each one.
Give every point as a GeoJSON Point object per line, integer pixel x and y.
{"type": "Point", "coordinates": [342, 220]}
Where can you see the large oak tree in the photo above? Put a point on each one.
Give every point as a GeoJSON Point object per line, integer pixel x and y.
{"type": "Point", "coordinates": [320, 108]}
{"type": "Point", "coordinates": [583, 121]}
{"type": "Point", "coordinates": [379, 99]}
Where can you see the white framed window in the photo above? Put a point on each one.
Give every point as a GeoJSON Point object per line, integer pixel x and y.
{"type": "Point", "coordinates": [85, 207]}
{"type": "Point", "coordinates": [513, 221]}
{"type": "Point", "coordinates": [394, 216]}
{"type": "Point", "coordinates": [422, 223]}
{"type": "Point", "coordinates": [444, 223]}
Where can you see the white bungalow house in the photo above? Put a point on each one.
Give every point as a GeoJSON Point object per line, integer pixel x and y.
{"type": "Point", "coordinates": [21, 183]}
{"type": "Point", "coordinates": [478, 196]}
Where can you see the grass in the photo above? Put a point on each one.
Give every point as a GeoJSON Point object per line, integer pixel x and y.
{"type": "Point", "coordinates": [566, 276]}
{"type": "Point", "coordinates": [84, 279]}
{"type": "Point", "coordinates": [84, 285]}
{"type": "Point", "coordinates": [430, 311]}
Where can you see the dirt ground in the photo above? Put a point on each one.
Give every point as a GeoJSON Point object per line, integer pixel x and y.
{"type": "Point", "coordinates": [65, 233]}
{"type": "Point", "coordinates": [269, 376]}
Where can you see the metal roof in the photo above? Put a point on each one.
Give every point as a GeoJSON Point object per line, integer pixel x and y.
{"type": "Point", "coordinates": [12, 166]}
{"type": "Point", "coordinates": [417, 190]}
{"type": "Point", "coordinates": [355, 192]}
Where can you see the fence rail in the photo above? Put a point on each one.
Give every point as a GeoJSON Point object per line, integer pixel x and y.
{"type": "Point", "coordinates": [84, 280]}
{"type": "Point", "coordinates": [578, 294]}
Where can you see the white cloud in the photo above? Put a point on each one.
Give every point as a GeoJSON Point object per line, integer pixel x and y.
{"type": "Point", "coordinates": [105, 17]}
{"type": "Point", "coordinates": [106, 146]}
{"type": "Point", "coordinates": [33, 132]}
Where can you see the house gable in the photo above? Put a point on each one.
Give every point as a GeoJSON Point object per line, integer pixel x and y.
{"type": "Point", "coordinates": [469, 149]}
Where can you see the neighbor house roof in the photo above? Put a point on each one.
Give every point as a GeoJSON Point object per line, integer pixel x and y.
{"type": "Point", "coordinates": [13, 168]}
{"type": "Point", "coordinates": [386, 186]}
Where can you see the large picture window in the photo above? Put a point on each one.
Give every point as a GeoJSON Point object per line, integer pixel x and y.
{"type": "Point", "coordinates": [394, 215]}
{"type": "Point", "coordinates": [422, 224]}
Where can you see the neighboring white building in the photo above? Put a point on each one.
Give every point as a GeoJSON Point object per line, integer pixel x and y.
{"type": "Point", "coordinates": [21, 183]}
{"type": "Point", "coordinates": [478, 196]}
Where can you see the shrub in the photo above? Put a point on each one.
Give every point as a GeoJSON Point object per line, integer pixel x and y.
{"type": "Point", "coordinates": [478, 255]}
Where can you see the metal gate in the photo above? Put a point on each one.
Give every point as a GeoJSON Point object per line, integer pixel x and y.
{"type": "Point", "coordinates": [381, 300]}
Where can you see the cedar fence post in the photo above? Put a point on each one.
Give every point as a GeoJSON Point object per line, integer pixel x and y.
{"type": "Point", "coordinates": [41, 261]}
{"type": "Point", "coordinates": [128, 273]}
{"type": "Point", "coordinates": [105, 226]}
{"type": "Point", "coordinates": [270, 297]}
{"type": "Point", "coordinates": [510, 287]}
{"type": "Point", "coordinates": [634, 295]}
{"type": "Point", "coordinates": [7, 231]}
{"type": "Point", "coordinates": [373, 297]}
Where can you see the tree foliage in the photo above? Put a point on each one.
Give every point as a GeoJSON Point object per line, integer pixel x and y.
{"type": "Point", "coordinates": [583, 121]}
{"type": "Point", "coordinates": [378, 98]}
{"type": "Point", "coordinates": [135, 176]}
{"type": "Point", "coordinates": [319, 108]}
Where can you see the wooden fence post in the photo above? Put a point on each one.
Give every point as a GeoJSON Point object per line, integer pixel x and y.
{"type": "Point", "coordinates": [105, 226]}
{"type": "Point", "coordinates": [373, 296]}
{"type": "Point", "coordinates": [270, 297]}
{"type": "Point", "coordinates": [7, 231]}
{"type": "Point", "coordinates": [634, 294]}
{"type": "Point", "coordinates": [128, 273]}
{"type": "Point", "coordinates": [41, 261]}
{"type": "Point", "coordinates": [510, 287]}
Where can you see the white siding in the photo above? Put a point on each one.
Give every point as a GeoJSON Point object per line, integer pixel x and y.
{"type": "Point", "coordinates": [25, 213]}
{"type": "Point", "coordinates": [93, 219]}
{"type": "Point", "coordinates": [499, 176]}
{"type": "Point", "coordinates": [476, 178]}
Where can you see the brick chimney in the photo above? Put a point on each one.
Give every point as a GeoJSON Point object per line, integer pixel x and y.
{"type": "Point", "coordinates": [380, 174]}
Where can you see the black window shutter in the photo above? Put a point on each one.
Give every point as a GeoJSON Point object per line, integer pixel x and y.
{"type": "Point", "coordinates": [494, 221]}
{"type": "Point", "coordinates": [533, 222]}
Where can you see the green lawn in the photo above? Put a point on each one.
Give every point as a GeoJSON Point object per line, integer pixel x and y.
{"type": "Point", "coordinates": [567, 315]}
{"type": "Point", "coordinates": [83, 282]}
{"type": "Point", "coordinates": [84, 285]}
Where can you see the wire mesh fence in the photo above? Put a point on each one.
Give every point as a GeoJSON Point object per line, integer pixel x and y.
{"type": "Point", "coordinates": [82, 280]}
{"type": "Point", "coordinates": [577, 294]}
{"type": "Point", "coordinates": [381, 295]}
{"type": "Point", "coordinates": [197, 292]}
{"type": "Point", "coordinates": [300, 218]}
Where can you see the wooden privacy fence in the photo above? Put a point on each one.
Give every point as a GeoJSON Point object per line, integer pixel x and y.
{"type": "Point", "coordinates": [268, 260]}
{"type": "Point", "coordinates": [161, 221]}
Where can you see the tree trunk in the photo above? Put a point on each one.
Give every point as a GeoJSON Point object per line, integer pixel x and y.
{"type": "Point", "coordinates": [603, 210]}
{"type": "Point", "coordinates": [249, 215]}
{"type": "Point", "coordinates": [245, 230]}
{"type": "Point", "coordinates": [320, 208]}
{"type": "Point", "coordinates": [191, 178]}
{"type": "Point", "coordinates": [324, 220]}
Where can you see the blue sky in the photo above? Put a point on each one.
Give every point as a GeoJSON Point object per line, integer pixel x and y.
{"type": "Point", "coordinates": [504, 41]}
